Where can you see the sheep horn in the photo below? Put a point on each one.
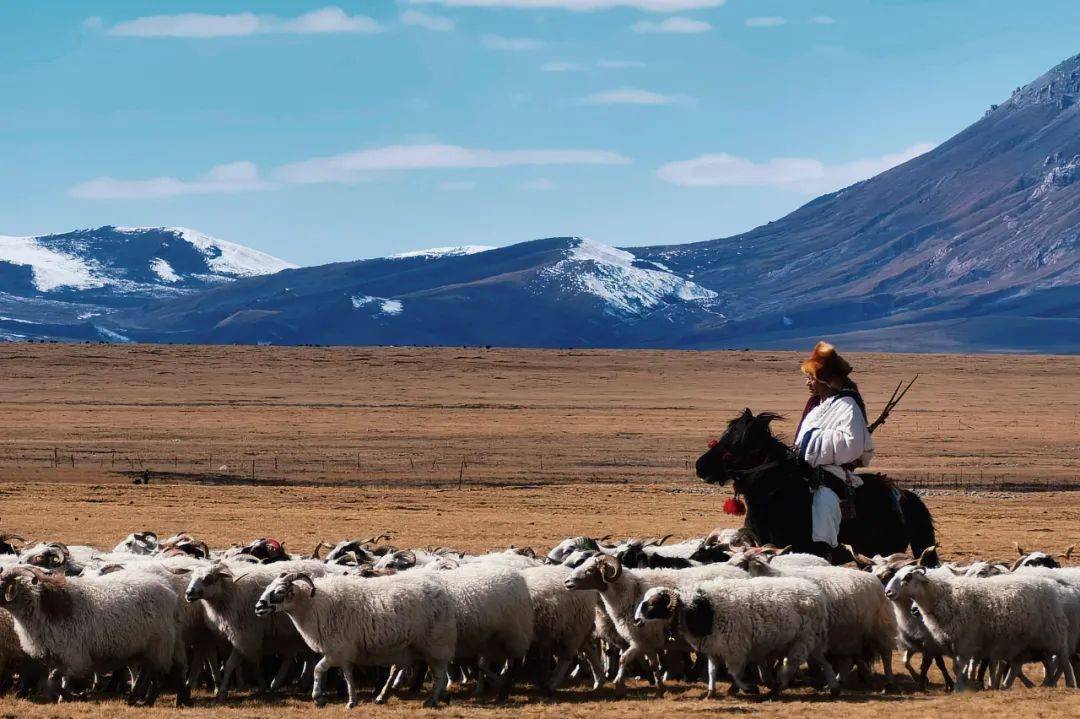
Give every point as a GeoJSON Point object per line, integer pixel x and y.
{"type": "Point", "coordinates": [110, 568]}
{"type": "Point", "coordinates": [1016, 564]}
{"type": "Point", "coordinates": [1019, 549]}
{"type": "Point", "coordinates": [663, 539]}
{"type": "Point", "coordinates": [6, 537]}
{"type": "Point", "coordinates": [861, 560]}
{"type": "Point", "coordinates": [303, 578]}
{"type": "Point", "coordinates": [315, 553]}
{"type": "Point", "coordinates": [1067, 554]}
{"type": "Point", "coordinates": [607, 563]}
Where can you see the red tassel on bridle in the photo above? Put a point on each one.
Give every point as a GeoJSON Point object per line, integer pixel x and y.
{"type": "Point", "coordinates": [734, 506]}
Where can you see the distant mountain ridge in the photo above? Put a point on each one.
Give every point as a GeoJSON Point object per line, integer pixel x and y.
{"type": "Point", "coordinates": [973, 246]}
{"type": "Point", "coordinates": [56, 285]}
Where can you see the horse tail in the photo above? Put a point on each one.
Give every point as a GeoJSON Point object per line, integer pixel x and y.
{"type": "Point", "coordinates": [920, 527]}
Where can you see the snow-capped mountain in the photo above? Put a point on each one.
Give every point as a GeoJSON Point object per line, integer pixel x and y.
{"type": "Point", "coordinates": [974, 245]}
{"type": "Point", "coordinates": [53, 281]}
{"type": "Point", "coordinates": [553, 292]}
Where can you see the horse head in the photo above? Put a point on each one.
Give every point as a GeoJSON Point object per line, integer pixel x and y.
{"type": "Point", "coordinates": [746, 443]}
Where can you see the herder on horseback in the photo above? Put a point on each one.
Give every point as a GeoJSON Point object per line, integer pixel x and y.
{"type": "Point", "coordinates": [806, 495]}
{"type": "Point", "coordinates": [833, 438]}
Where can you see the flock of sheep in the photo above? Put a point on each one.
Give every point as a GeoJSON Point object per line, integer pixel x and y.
{"type": "Point", "coordinates": [175, 615]}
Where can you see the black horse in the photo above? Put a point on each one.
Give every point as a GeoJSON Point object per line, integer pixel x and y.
{"type": "Point", "coordinates": [773, 481]}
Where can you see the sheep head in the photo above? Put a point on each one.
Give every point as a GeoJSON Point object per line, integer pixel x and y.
{"type": "Point", "coordinates": [597, 572]}
{"type": "Point", "coordinates": [905, 584]}
{"type": "Point", "coordinates": [658, 604]}
{"type": "Point", "coordinates": [282, 591]}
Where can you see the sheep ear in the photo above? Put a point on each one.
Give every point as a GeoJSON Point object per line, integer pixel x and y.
{"type": "Point", "coordinates": [926, 553]}
{"type": "Point", "coordinates": [1019, 550]}
{"type": "Point", "coordinates": [1067, 554]}
{"type": "Point", "coordinates": [178, 570]}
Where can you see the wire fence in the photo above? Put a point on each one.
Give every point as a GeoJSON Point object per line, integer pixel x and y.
{"type": "Point", "coordinates": [451, 468]}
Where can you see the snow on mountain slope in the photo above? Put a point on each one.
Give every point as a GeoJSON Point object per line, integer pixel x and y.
{"type": "Point", "coordinates": [628, 286]}
{"type": "Point", "coordinates": [126, 260]}
{"type": "Point", "coordinates": [229, 258]}
{"type": "Point", "coordinates": [51, 268]}
{"type": "Point", "coordinates": [436, 252]}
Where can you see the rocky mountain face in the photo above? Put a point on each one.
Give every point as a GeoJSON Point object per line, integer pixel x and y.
{"type": "Point", "coordinates": [974, 245]}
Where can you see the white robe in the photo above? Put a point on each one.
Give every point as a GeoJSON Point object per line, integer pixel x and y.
{"type": "Point", "coordinates": [833, 434]}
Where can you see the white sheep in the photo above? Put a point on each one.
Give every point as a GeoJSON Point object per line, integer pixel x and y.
{"type": "Point", "coordinates": [913, 637]}
{"type": "Point", "coordinates": [999, 619]}
{"type": "Point", "coordinates": [229, 591]}
{"type": "Point", "coordinates": [862, 625]}
{"type": "Point", "coordinates": [621, 590]}
{"type": "Point", "coordinates": [494, 618]}
{"type": "Point", "coordinates": [382, 621]}
{"type": "Point", "coordinates": [737, 623]}
{"type": "Point", "coordinates": [563, 622]}
{"type": "Point", "coordinates": [84, 625]}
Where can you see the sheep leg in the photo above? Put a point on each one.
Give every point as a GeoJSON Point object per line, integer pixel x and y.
{"type": "Point", "coordinates": [831, 678]}
{"type": "Point", "coordinates": [317, 694]}
{"type": "Point", "coordinates": [1065, 665]}
{"type": "Point", "coordinates": [1018, 673]}
{"type": "Point", "coordinates": [960, 665]}
{"type": "Point", "coordinates": [939, 661]}
{"type": "Point", "coordinates": [558, 674]}
{"type": "Point", "coordinates": [596, 664]}
{"type": "Point", "coordinates": [625, 660]}
{"type": "Point", "coordinates": [139, 688]}
{"type": "Point", "coordinates": [908, 654]}
{"type": "Point", "coordinates": [658, 670]}
{"type": "Point", "coordinates": [996, 675]}
{"type": "Point", "coordinates": [710, 692]}
{"type": "Point", "coordinates": [282, 674]}
{"type": "Point", "coordinates": [1016, 668]}
{"type": "Point", "coordinates": [737, 669]}
{"type": "Point", "coordinates": [510, 677]}
{"type": "Point", "coordinates": [153, 687]}
{"type": "Point", "coordinates": [439, 680]}
{"type": "Point", "coordinates": [384, 693]}
{"type": "Point", "coordinates": [227, 674]}
{"type": "Point", "coordinates": [350, 684]}
{"type": "Point", "coordinates": [887, 670]}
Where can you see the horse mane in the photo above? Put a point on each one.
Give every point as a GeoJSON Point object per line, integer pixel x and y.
{"type": "Point", "coordinates": [742, 429]}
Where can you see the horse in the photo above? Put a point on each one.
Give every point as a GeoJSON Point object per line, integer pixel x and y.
{"type": "Point", "coordinates": [773, 481]}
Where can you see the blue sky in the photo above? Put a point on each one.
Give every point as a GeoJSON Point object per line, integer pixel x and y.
{"type": "Point", "coordinates": [322, 132]}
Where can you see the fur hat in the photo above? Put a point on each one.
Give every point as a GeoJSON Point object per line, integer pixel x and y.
{"type": "Point", "coordinates": [825, 365]}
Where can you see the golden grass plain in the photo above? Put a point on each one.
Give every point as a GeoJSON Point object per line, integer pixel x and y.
{"type": "Point", "coordinates": [479, 448]}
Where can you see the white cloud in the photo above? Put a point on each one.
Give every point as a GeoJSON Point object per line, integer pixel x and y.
{"type": "Point", "coordinates": [765, 21]}
{"type": "Point", "coordinates": [511, 44]}
{"type": "Point", "coordinates": [675, 25]}
{"type": "Point", "coordinates": [354, 166]}
{"type": "Point", "coordinates": [633, 96]}
{"type": "Point", "coordinates": [434, 23]}
{"type": "Point", "coordinates": [222, 179]}
{"type": "Point", "coordinates": [581, 5]}
{"type": "Point", "coordinates": [540, 184]}
{"type": "Point", "coordinates": [822, 20]}
{"type": "Point", "coordinates": [561, 66]}
{"type": "Point", "coordinates": [619, 64]}
{"type": "Point", "coordinates": [800, 174]}
{"type": "Point", "coordinates": [456, 186]}
{"type": "Point", "coordinates": [199, 25]}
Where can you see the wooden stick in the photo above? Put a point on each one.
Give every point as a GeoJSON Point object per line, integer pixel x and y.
{"type": "Point", "coordinates": [891, 404]}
